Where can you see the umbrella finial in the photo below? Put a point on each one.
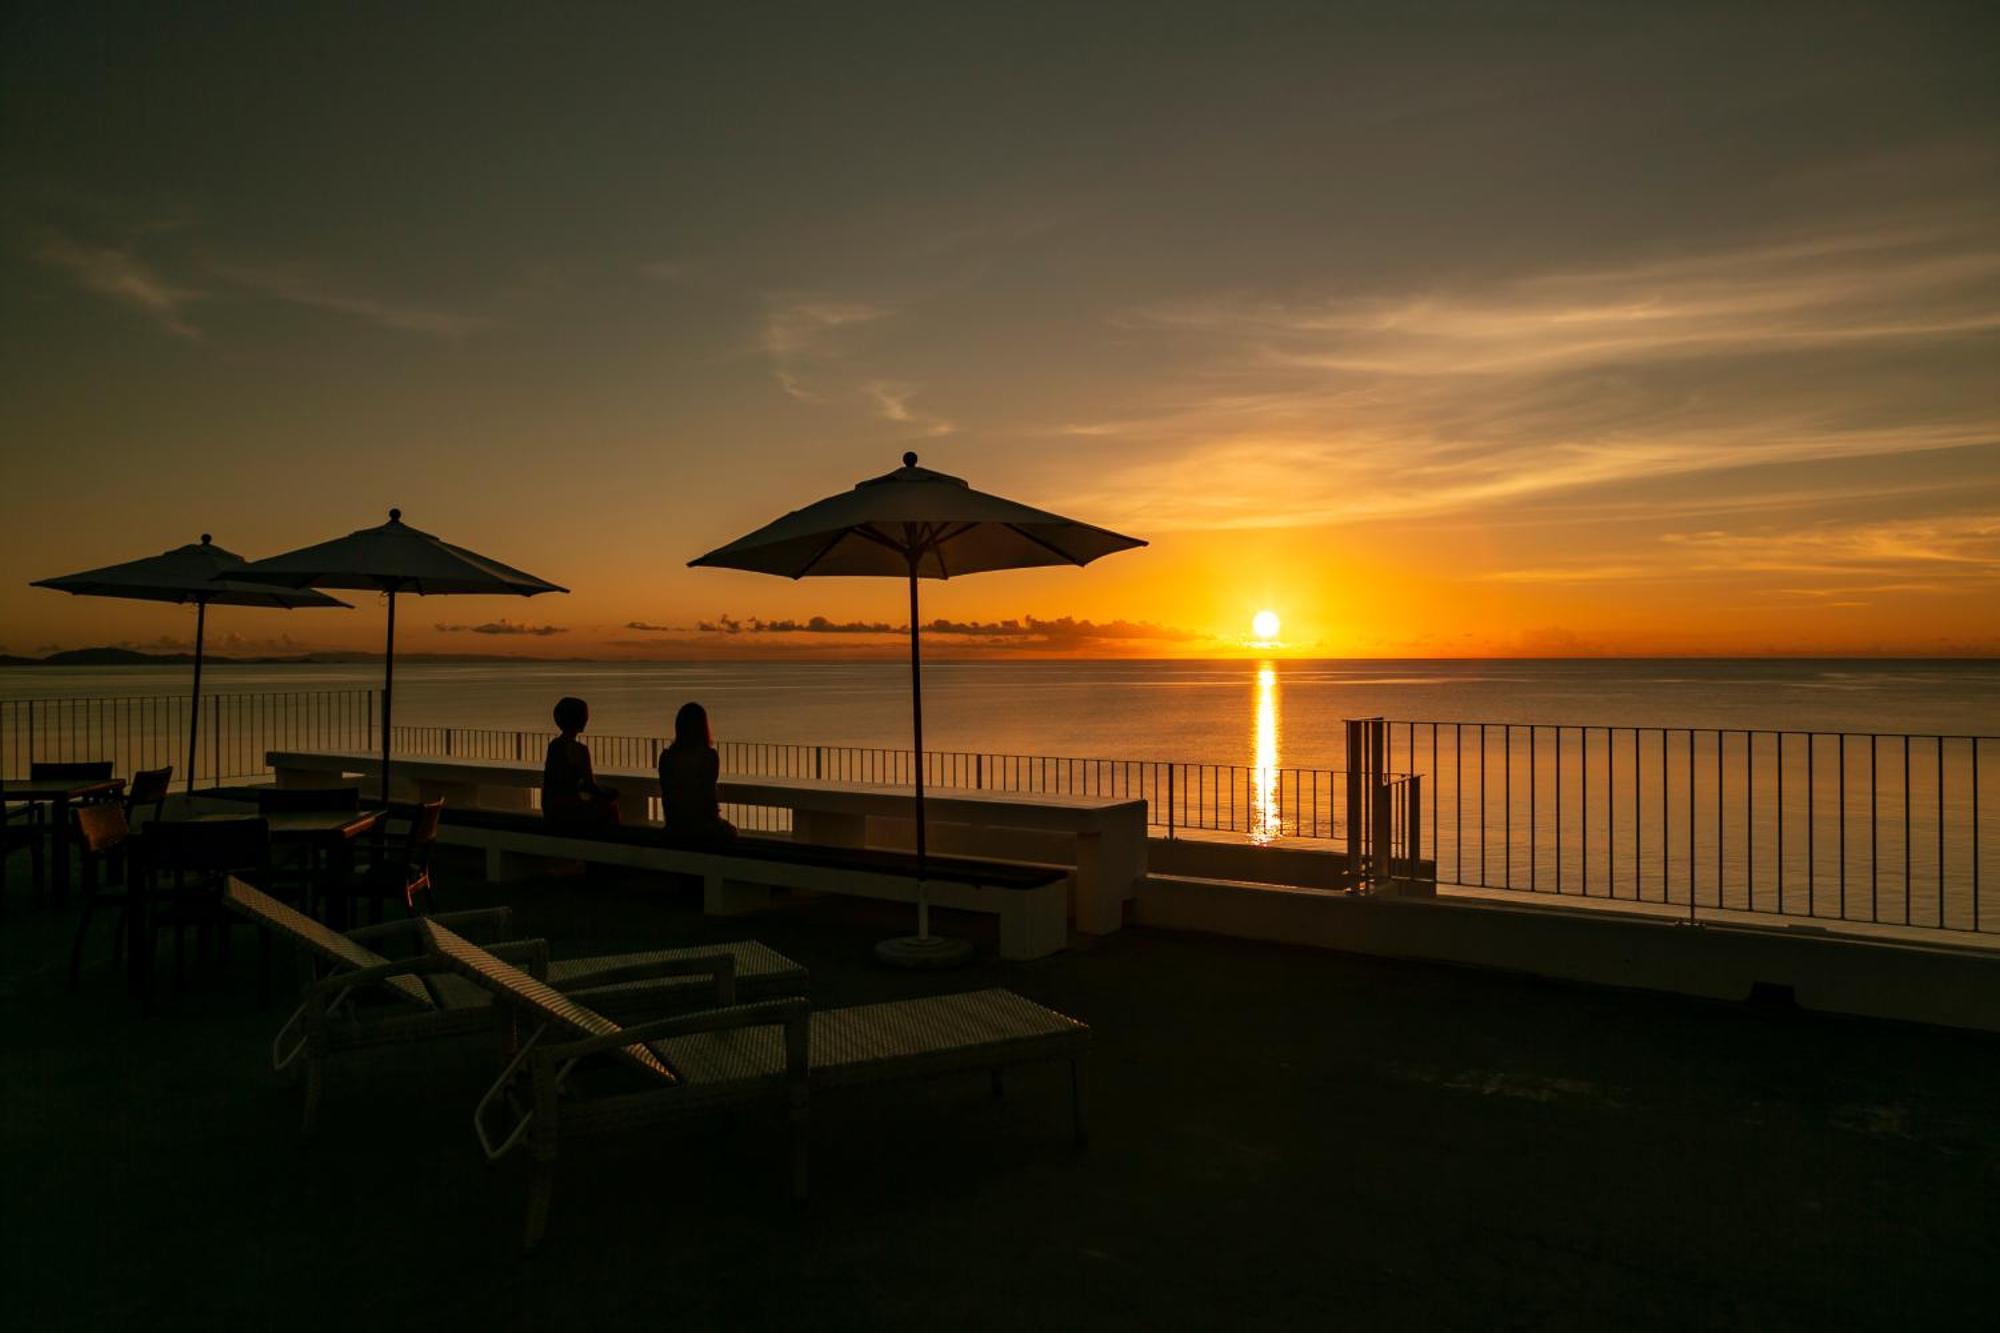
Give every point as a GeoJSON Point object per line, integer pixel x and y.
{"type": "Point", "coordinates": [206, 539]}
{"type": "Point", "coordinates": [910, 458]}
{"type": "Point", "coordinates": [395, 516]}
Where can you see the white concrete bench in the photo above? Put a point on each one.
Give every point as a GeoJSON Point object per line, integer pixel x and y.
{"type": "Point", "coordinates": [1032, 902]}
{"type": "Point", "coordinates": [1102, 839]}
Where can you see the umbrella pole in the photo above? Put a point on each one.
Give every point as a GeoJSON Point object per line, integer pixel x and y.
{"type": "Point", "coordinates": [922, 949]}
{"type": "Point", "coordinates": [388, 692]}
{"type": "Point", "coordinates": [194, 704]}
{"type": "Point", "coordinates": [917, 730]}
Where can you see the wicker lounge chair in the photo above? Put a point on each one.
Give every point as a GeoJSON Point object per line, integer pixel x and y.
{"type": "Point", "coordinates": [773, 1053]}
{"type": "Point", "coordinates": [421, 1002]}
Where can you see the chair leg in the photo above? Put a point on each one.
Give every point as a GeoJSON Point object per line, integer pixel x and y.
{"type": "Point", "coordinates": [799, 1147]}
{"type": "Point", "coordinates": [76, 946]}
{"type": "Point", "coordinates": [315, 1085]}
{"type": "Point", "coordinates": [541, 1190]}
{"type": "Point", "coordinates": [1078, 1101]}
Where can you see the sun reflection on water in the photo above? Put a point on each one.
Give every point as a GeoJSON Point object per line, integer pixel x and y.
{"type": "Point", "coordinates": [1267, 822]}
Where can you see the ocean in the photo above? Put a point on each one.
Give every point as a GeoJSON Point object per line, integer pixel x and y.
{"type": "Point", "coordinates": [1857, 789]}
{"type": "Point", "coordinates": [1203, 712]}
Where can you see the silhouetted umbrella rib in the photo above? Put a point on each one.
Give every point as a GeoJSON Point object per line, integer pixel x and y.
{"type": "Point", "coordinates": [898, 526]}
{"type": "Point", "coordinates": [201, 573]}
{"type": "Point", "coordinates": [392, 559]}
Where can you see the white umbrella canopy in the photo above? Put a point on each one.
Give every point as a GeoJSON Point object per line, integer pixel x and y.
{"type": "Point", "coordinates": [393, 558]}
{"type": "Point", "coordinates": [914, 524]}
{"type": "Point", "coordinates": [199, 572]}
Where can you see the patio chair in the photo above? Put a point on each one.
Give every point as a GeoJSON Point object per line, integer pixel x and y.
{"type": "Point", "coordinates": [185, 863]}
{"type": "Point", "coordinates": [101, 835]}
{"type": "Point", "coordinates": [70, 770]}
{"type": "Point", "coordinates": [293, 870]}
{"type": "Point", "coordinates": [356, 996]}
{"type": "Point", "coordinates": [21, 827]}
{"type": "Point", "coordinates": [776, 1054]}
{"type": "Point", "coordinates": [399, 869]}
{"type": "Point", "coordinates": [148, 788]}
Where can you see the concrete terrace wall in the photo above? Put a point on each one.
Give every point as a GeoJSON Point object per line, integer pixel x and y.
{"type": "Point", "coordinates": [1942, 984]}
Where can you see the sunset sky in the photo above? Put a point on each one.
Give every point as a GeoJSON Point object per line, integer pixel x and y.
{"type": "Point", "coordinates": [1537, 329]}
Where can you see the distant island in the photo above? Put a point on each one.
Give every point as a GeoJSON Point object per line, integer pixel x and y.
{"type": "Point", "coordinates": [114, 657]}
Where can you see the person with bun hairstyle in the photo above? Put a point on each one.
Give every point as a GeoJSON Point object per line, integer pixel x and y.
{"type": "Point", "coordinates": [689, 769]}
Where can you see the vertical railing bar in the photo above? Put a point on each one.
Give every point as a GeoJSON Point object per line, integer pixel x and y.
{"type": "Point", "coordinates": [1939, 742]}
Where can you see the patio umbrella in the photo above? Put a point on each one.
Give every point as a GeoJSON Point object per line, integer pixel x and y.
{"type": "Point", "coordinates": [393, 559]}
{"type": "Point", "coordinates": [198, 572]}
{"type": "Point", "coordinates": [913, 524]}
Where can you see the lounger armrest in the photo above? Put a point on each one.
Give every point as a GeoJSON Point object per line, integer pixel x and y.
{"type": "Point", "coordinates": [467, 923]}
{"type": "Point", "coordinates": [531, 956]}
{"type": "Point", "coordinates": [721, 966]}
{"type": "Point", "coordinates": [335, 982]}
{"type": "Point", "coordinates": [795, 1014]}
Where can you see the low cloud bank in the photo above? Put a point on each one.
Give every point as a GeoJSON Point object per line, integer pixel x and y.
{"type": "Point", "coordinates": [504, 627]}
{"type": "Point", "coordinates": [1029, 629]}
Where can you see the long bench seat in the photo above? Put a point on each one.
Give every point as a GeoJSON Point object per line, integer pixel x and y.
{"type": "Point", "coordinates": [1032, 901]}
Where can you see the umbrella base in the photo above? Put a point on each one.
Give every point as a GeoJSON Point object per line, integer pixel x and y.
{"type": "Point", "coordinates": [924, 951]}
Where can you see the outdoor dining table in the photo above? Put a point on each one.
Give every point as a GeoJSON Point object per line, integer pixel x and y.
{"type": "Point", "coordinates": [59, 796]}
{"type": "Point", "coordinates": [326, 836]}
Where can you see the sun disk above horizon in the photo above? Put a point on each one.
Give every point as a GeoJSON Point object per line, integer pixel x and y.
{"type": "Point", "coordinates": [1264, 626]}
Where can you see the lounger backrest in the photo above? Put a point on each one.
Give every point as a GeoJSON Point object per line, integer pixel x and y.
{"type": "Point", "coordinates": [328, 943]}
{"type": "Point", "coordinates": [511, 985]}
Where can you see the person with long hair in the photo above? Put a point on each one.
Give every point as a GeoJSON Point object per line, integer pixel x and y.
{"type": "Point", "coordinates": [571, 796]}
{"type": "Point", "coordinates": [689, 769]}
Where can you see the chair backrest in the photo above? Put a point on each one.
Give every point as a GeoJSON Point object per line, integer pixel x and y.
{"type": "Point", "coordinates": [424, 823]}
{"type": "Point", "coordinates": [149, 786]}
{"type": "Point", "coordinates": [290, 800]}
{"type": "Point", "coordinates": [99, 828]}
{"type": "Point", "coordinates": [49, 770]}
{"type": "Point", "coordinates": [209, 846]}
{"type": "Point", "coordinates": [323, 940]}
{"type": "Point", "coordinates": [510, 985]}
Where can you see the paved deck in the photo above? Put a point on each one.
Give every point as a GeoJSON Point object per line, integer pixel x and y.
{"type": "Point", "coordinates": [1283, 1138]}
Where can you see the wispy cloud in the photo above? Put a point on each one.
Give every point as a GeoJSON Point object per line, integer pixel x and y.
{"type": "Point", "coordinates": [1917, 282]}
{"type": "Point", "coordinates": [646, 628]}
{"type": "Point", "coordinates": [120, 275]}
{"type": "Point", "coordinates": [299, 285]}
{"type": "Point", "coordinates": [1556, 383]}
{"type": "Point", "coordinates": [504, 627]}
{"type": "Point", "coordinates": [1907, 555]}
{"type": "Point", "coordinates": [892, 403]}
{"type": "Point", "coordinates": [797, 333]}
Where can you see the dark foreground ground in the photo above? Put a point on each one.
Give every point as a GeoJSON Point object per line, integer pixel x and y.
{"type": "Point", "coordinates": [1283, 1138]}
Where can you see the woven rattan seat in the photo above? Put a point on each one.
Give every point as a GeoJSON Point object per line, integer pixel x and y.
{"type": "Point", "coordinates": [368, 999]}
{"type": "Point", "coordinates": [736, 1056]}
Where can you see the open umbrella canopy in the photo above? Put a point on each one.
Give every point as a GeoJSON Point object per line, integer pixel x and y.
{"type": "Point", "coordinates": [393, 558]}
{"type": "Point", "coordinates": [198, 572]}
{"type": "Point", "coordinates": [879, 526]}
{"type": "Point", "coordinates": [913, 524]}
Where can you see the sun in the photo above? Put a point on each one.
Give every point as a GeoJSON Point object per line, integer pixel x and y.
{"type": "Point", "coordinates": [1265, 626]}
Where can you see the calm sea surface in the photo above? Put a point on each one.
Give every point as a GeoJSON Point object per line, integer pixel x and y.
{"type": "Point", "coordinates": [1886, 814]}
{"type": "Point", "coordinates": [1206, 712]}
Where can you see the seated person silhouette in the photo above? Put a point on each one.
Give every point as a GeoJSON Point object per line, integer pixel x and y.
{"type": "Point", "coordinates": [688, 771]}
{"type": "Point", "coordinates": [571, 796]}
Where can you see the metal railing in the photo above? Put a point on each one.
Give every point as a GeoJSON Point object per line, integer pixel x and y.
{"type": "Point", "coordinates": [1261, 803]}
{"type": "Point", "coordinates": [1887, 828]}
{"type": "Point", "coordinates": [151, 731]}
{"type": "Point", "coordinates": [1892, 828]}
